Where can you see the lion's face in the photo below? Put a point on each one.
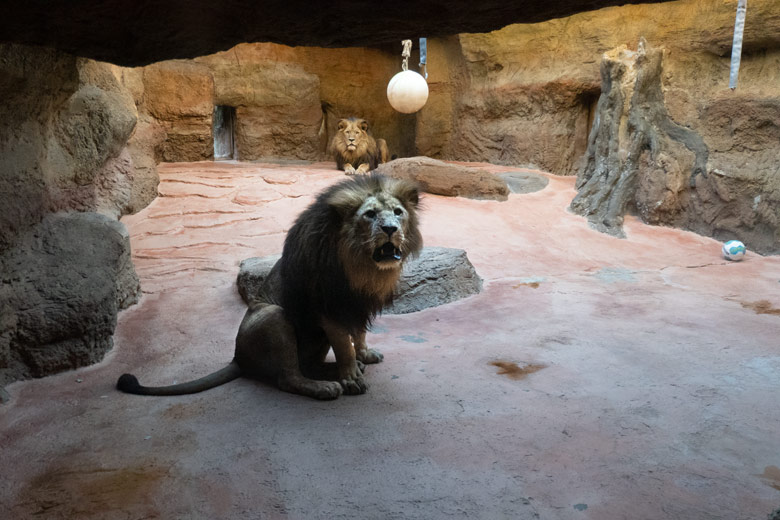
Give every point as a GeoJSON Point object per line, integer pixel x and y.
{"type": "Point", "coordinates": [353, 134]}
{"type": "Point", "coordinates": [380, 222]}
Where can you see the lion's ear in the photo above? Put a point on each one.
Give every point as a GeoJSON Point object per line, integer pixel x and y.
{"type": "Point", "coordinates": [364, 125]}
{"type": "Point", "coordinates": [408, 193]}
{"type": "Point", "coordinates": [343, 124]}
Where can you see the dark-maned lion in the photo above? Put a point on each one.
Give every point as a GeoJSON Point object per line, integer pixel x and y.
{"type": "Point", "coordinates": [340, 264]}
{"type": "Point", "coordinates": [354, 149]}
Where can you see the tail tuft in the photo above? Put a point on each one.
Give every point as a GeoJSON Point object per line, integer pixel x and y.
{"type": "Point", "coordinates": [128, 383]}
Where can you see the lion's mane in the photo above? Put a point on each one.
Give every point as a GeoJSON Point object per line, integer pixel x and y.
{"type": "Point", "coordinates": [324, 267]}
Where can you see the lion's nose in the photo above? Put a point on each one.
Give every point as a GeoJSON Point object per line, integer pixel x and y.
{"type": "Point", "coordinates": [389, 230]}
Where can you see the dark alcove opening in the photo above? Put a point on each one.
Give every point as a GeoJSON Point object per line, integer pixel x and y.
{"type": "Point", "coordinates": [224, 133]}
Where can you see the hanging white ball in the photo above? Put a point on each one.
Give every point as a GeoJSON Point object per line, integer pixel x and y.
{"type": "Point", "coordinates": [407, 92]}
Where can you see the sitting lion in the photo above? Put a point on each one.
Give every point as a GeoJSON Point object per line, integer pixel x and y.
{"type": "Point", "coordinates": [355, 150]}
{"type": "Point", "coordinates": [340, 264]}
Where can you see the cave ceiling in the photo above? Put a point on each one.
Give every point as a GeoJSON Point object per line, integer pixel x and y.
{"type": "Point", "coordinates": [139, 32]}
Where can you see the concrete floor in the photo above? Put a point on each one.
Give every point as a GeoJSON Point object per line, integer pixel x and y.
{"type": "Point", "coordinates": [652, 393]}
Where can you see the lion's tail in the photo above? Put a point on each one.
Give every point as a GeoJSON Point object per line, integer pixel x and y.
{"type": "Point", "coordinates": [128, 383]}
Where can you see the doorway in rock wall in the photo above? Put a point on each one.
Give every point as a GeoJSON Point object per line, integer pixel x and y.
{"type": "Point", "coordinates": [224, 133]}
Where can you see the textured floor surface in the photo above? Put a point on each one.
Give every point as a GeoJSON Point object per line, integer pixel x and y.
{"type": "Point", "coordinates": [593, 378]}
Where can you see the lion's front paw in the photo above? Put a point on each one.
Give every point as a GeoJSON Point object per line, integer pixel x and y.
{"type": "Point", "coordinates": [354, 386]}
{"type": "Point", "coordinates": [327, 390]}
{"type": "Point", "coordinates": [369, 356]}
{"type": "Point", "coordinates": [349, 169]}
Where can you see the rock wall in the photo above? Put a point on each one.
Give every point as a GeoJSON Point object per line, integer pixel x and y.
{"type": "Point", "coordinates": [287, 100]}
{"type": "Point", "coordinates": [65, 177]}
{"type": "Point", "coordinates": [527, 95]}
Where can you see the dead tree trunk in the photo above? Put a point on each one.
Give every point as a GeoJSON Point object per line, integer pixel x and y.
{"type": "Point", "coordinates": [632, 128]}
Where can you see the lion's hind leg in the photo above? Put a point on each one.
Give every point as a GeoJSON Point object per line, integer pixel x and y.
{"type": "Point", "coordinates": [266, 346]}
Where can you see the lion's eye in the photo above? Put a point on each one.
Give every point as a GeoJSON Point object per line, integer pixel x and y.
{"type": "Point", "coordinates": [370, 214]}
{"type": "Point", "coordinates": [398, 211]}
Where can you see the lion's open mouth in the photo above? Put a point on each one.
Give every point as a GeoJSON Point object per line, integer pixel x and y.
{"type": "Point", "coordinates": [387, 253]}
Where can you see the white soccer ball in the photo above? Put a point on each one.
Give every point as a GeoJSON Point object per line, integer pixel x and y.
{"type": "Point", "coordinates": [734, 250]}
{"type": "Point", "coordinates": [407, 92]}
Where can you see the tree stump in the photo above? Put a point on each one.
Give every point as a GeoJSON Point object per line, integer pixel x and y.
{"type": "Point", "coordinates": [633, 136]}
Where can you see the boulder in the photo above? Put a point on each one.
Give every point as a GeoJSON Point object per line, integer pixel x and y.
{"type": "Point", "coordinates": [438, 276]}
{"type": "Point", "coordinates": [451, 180]}
{"type": "Point", "coordinates": [65, 177]}
{"type": "Point", "coordinates": [60, 292]}
{"type": "Point", "coordinates": [252, 274]}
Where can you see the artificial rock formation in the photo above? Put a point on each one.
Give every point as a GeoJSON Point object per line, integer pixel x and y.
{"type": "Point", "coordinates": [632, 128]}
{"type": "Point", "coordinates": [438, 276]}
{"type": "Point", "coordinates": [60, 291]}
{"type": "Point", "coordinates": [641, 160]}
{"type": "Point", "coordinates": [65, 177]}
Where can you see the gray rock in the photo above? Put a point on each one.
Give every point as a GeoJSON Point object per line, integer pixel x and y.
{"type": "Point", "coordinates": [252, 274]}
{"type": "Point", "coordinates": [60, 292]}
{"type": "Point", "coordinates": [524, 182]}
{"type": "Point", "coordinates": [439, 275]}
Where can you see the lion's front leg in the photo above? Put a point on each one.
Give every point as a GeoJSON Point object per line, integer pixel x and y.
{"type": "Point", "coordinates": [363, 168]}
{"type": "Point", "coordinates": [350, 378]}
{"type": "Point", "coordinates": [365, 354]}
{"type": "Point", "coordinates": [349, 169]}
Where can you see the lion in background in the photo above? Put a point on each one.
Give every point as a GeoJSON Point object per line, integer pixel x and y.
{"type": "Point", "coordinates": [353, 148]}
{"type": "Point", "coordinates": [340, 265]}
